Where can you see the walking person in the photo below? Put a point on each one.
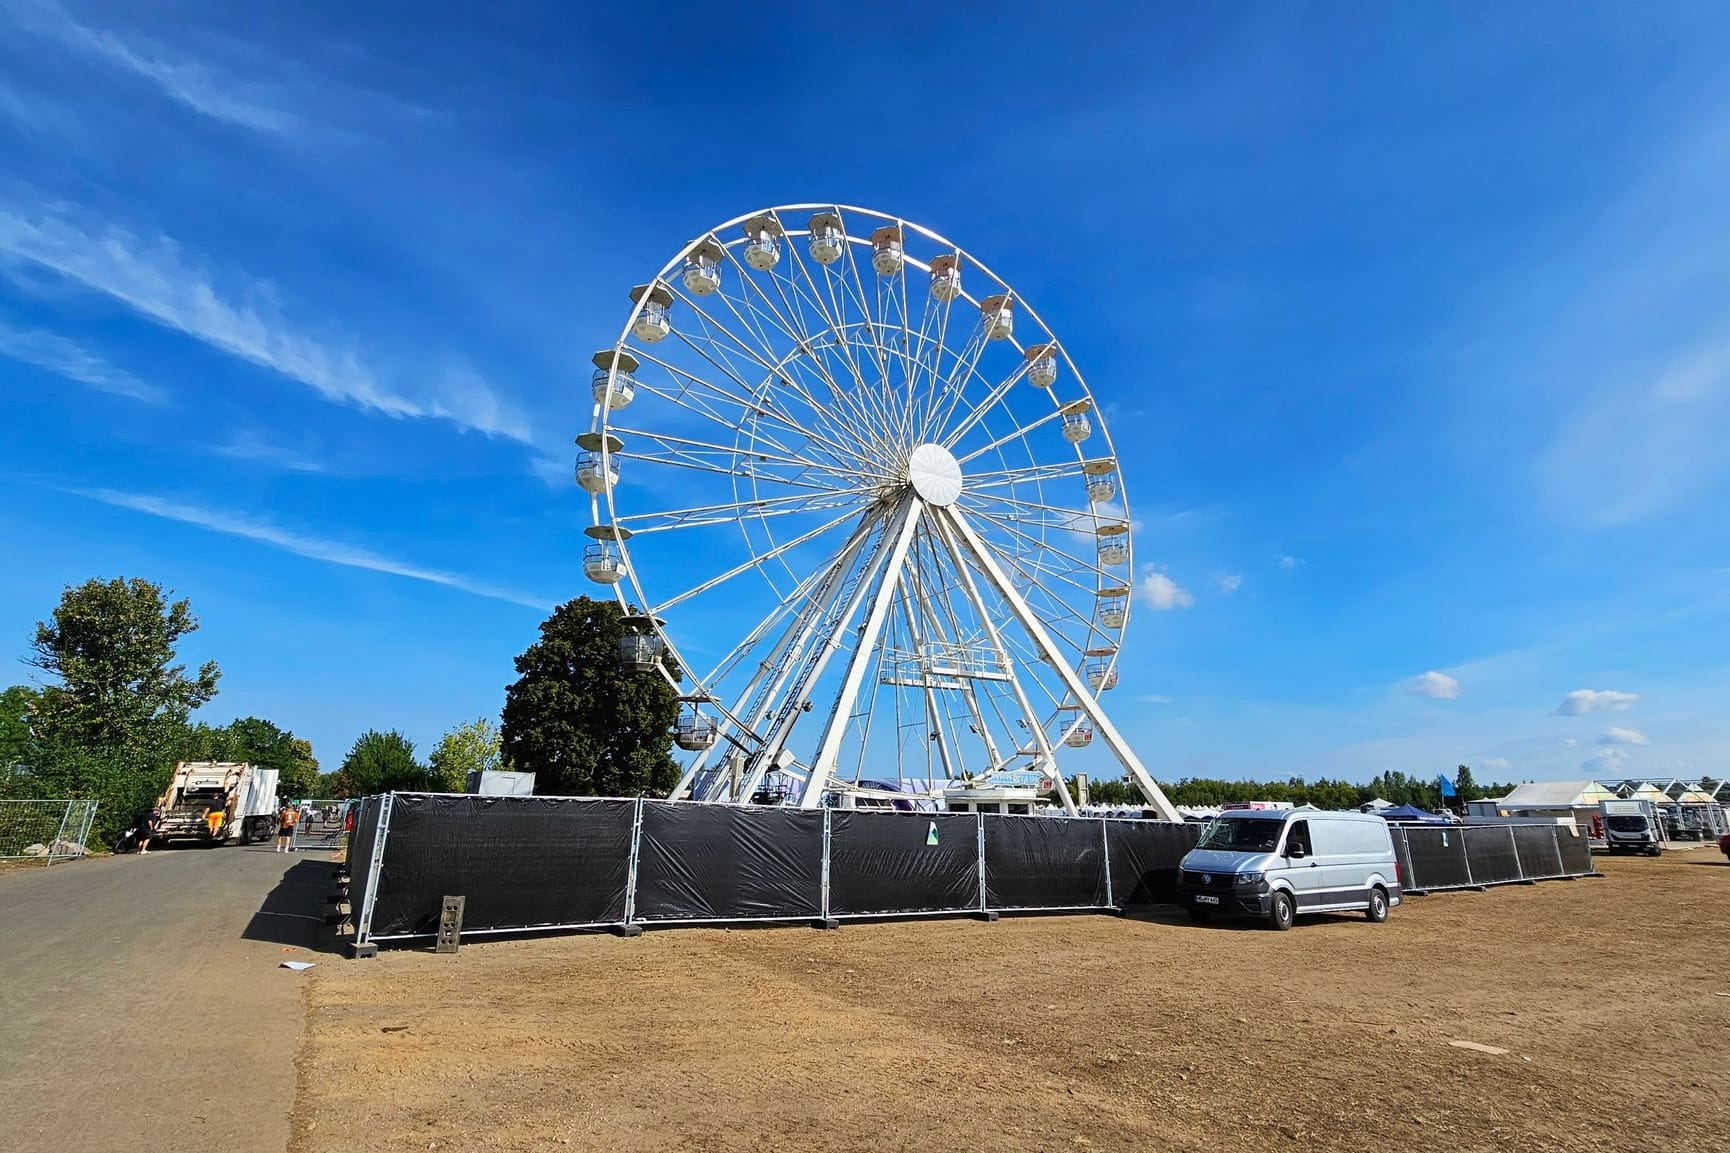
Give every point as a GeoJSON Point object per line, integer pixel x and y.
{"type": "Point", "coordinates": [285, 828]}
{"type": "Point", "coordinates": [147, 829]}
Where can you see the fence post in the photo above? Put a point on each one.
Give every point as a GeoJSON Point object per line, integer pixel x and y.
{"type": "Point", "coordinates": [90, 819]}
{"type": "Point", "coordinates": [363, 946]}
{"type": "Point", "coordinates": [631, 867]}
{"type": "Point", "coordinates": [1514, 848]}
{"type": "Point", "coordinates": [827, 817]}
{"type": "Point", "coordinates": [1556, 838]}
{"type": "Point", "coordinates": [1466, 854]}
{"type": "Point", "coordinates": [1105, 847]}
{"type": "Point", "coordinates": [983, 911]}
{"type": "Point", "coordinates": [59, 837]}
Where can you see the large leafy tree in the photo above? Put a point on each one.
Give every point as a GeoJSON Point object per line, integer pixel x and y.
{"type": "Point", "coordinates": [111, 648]}
{"type": "Point", "coordinates": [579, 720]}
{"type": "Point", "coordinates": [16, 745]}
{"type": "Point", "coordinates": [470, 748]}
{"type": "Point", "coordinates": [378, 763]}
{"type": "Point", "coordinates": [264, 744]}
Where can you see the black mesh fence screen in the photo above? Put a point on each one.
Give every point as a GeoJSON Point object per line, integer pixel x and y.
{"type": "Point", "coordinates": [1144, 857]}
{"type": "Point", "coordinates": [519, 861]}
{"type": "Point", "coordinates": [1044, 863]}
{"type": "Point", "coordinates": [532, 862]}
{"type": "Point", "coordinates": [1490, 848]}
{"type": "Point", "coordinates": [1576, 852]}
{"type": "Point", "coordinates": [1535, 845]}
{"type": "Point", "coordinates": [721, 863]}
{"type": "Point", "coordinates": [883, 863]}
{"type": "Point", "coordinates": [1438, 858]}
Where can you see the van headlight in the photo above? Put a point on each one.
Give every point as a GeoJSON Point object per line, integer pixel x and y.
{"type": "Point", "coordinates": [1250, 878]}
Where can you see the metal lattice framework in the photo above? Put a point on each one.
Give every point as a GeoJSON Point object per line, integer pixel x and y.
{"type": "Point", "coordinates": [836, 436]}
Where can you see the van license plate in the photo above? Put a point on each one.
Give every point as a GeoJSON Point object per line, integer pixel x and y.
{"type": "Point", "coordinates": [1204, 899]}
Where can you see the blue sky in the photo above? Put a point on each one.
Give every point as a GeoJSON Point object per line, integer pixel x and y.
{"type": "Point", "coordinates": [1413, 325]}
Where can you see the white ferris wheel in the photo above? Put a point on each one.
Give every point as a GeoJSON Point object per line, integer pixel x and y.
{"type": "Point", "coordinates": [862, 512]}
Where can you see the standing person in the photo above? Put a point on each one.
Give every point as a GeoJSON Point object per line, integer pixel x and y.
{"type": "Point", "coordinates": [213, 818]}
{"type": "Point", "coordinates": [147, 829]}
{"type": "Point", "coordinates": [285, 828]}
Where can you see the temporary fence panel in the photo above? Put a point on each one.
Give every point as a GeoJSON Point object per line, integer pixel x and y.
{"type": "Point", "coordinates": [724, 863]}
{"type": "Point", "coordinates": [1490, 851]}
{"type": "Point", "coordinates": [1044, 863]}
{"type": "Point", "coordinates": [320, 824]}
{"type": "Point", "coordinates": [45, 830]}
{"type": "Point", "coordinates": [1539, 855]}
{"type": "Point", "coordinates": [522, 862]}
{"type": "Point", "coordinates": [882, 863]}
{"type": "Point", "coordinates": [1438, 859]}
{"type": "Point", "coordinates": [1575, 851]}
{"type": "Point", "coordinates": [1402, 856]}
{"type": "Point", "coordinates": [1143, 857]}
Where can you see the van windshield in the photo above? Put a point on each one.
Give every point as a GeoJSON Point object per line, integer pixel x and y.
{"type": "Point", "coordinates": [1627, 824]}
{"type": "Point", "coordinates": [1258, 834]}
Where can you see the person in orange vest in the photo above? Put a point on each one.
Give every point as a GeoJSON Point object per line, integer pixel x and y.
{"type": "Point", "coordinates": [285, 828]}
{"type": "Point", "coordinates": [213, 818]}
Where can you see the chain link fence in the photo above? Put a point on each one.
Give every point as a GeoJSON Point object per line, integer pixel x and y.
{"type": "Point", "coordinates": [321, 824]}
{"type": "Point", "coordinates": [48, 831]}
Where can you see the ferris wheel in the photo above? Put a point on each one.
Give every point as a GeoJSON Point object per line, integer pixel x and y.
{"type": "Point", "coordinates": [862, 512]}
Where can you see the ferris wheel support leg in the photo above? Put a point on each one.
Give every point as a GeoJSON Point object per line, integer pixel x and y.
{"type": "Point", "coordinates": [1042, 641]}
{"type": "Point", "coordinates": [826, 763]}
{"type": "Point", "coordinates": [1047, 755]}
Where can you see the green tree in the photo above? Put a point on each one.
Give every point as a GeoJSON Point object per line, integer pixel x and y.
{"type": "Point", "coordinates": [579, 720]}
{"type": "Point", "coordinates": [111, 647]}
{"type": "Point", "coordinates": [16, 744]}
{"type": "Point", "coordinates": [381, 762]}
{"type": "Point", "coordinates": [268, 746]}
{"type": "Point", "coordinates": [1465, 786]}
{"type": "Point", "coordinates": [470, 748]}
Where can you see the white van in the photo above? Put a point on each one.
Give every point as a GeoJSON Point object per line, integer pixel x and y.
{"type": "Point", "coordinates": [1278, 865]}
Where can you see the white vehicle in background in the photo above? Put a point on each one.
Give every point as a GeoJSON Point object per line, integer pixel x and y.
{"type": "Point", "coordinates": [1632, 827]}
{"type": "Point", "coordinates": [243, 793]}
{"type": "Point", "coordinates": [1277, 864]}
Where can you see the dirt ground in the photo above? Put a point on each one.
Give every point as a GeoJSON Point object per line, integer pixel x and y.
{"type": "Point", "coordinates": [1611, 996]}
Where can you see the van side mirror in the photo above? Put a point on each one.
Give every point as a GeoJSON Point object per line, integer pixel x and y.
{"type": "Point", "coordinates": [1296, 852]}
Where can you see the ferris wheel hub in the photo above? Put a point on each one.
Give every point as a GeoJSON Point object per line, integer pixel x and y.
{"type": "Point", "coordinates": [935, 474]}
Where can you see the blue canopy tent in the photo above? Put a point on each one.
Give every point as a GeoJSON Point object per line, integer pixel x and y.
{"type": "Point", "coordinates": [1412, 815]}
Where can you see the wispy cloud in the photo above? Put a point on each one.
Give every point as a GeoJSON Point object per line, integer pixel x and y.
{"type": "Point", "coordinates": [1228, 582]}
{"type": "Point", "coordinates": [1497, 763]}
{"type": "Point", "coordinates": [190, 83]}
{"type": "Point", "coordinates": [151, 278]}
{"type": "Point", "coordinates": [313, 548]}
{"type": "Point", "coordinates": [1158, 591]}
{"type": "Point", "coordinates": [74, 362]}
{"type": "Point", "coordinates": [1437, 686]}
{"type": "Point", "coordinates": [1154, 699]}
{"type": "Point", "coordinates": [1582, 701]}
{"type": "Point", "coordinates": [1619, 735]}
{"type": "Point", "coordinates": [249, 446]}
{"type": "Point", "coordinates": [1290, 562]}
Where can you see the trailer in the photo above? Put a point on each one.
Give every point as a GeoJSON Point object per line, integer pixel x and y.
{"type": "Point", "coordinates": [244, 795]}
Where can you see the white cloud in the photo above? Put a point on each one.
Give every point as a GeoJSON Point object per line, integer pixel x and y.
{"type": "Point", "coordinates": [1497, 763]}
{"type": "Point", "coordinates": [65, 358]}
{"type": "Point", "coordinates": [1618, 735]}
{"type": "Point", "coordinates": [331, 552]}
{"type": "Point", "coordinates": [1605, 762]}
{"type": "Point", "coordinates": [1582, 701]}
{"type": "Point", "coordinates": [1158, 591]}
{"type": "Point", "coordinates": [1228, 582]}
{"type": "Point", "coordinates": [1437, 686]}
{"type": "Point", "coordinates": [249, 446]}
{"type": "Point", "coordinates": [1154, 699]}
{"type": "Point", "coordinates": [189, 83]}
{"type": "Point", "coordinates": [1290, 562]}
{"type": "Point", "coordinates": [151, 278]}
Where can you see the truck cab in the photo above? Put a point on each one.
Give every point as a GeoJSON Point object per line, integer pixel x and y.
{"type": "Point", "coordinates": [1632, 827]}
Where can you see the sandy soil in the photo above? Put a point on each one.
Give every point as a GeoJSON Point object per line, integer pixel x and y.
{"type": "Point", "coordinates": [1611, 996]}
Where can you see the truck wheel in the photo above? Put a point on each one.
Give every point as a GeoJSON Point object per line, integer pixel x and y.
{"type": "Point", "coordinates": [1281, 912]}
{"type": "Point", "coordinates": [1378, 910]}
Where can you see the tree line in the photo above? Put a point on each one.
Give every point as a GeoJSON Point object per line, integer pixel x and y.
{"type": "Point", "coordinates": [1396, 787]}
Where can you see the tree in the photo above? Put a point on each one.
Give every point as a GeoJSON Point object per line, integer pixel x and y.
{"type": "Point", "coordinates": [111, 646]}
{"type": "Point", "coordinates": [379, 763]}
{"type": "Point", "coordinates": [16, 745]}
{"type": "Point", "coordinates": [470, 748]}
{"type": "Point", "coordinates": [264, 744]}
{"type": "Point", "coordinates": [1465, 786]}
{"type": "Point", "coordinates": [579, 720]}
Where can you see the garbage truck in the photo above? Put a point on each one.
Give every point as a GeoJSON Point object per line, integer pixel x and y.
{"type": "Point", "coordinates": [1632, 827]}
{"type": "Point", "coordinates": [243, 793]}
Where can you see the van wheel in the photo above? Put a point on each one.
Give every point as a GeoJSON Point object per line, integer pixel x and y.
{"type": "Point", "coordinates": [1378, 910]}
{"type": "Point", "coordinates": [1282, 912]}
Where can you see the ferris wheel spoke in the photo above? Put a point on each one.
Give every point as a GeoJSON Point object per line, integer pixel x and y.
{"type": "Point", "coordinates": [685, 452]}
{"type": "Point", "coordinates": [1031, 559]}
{"type": "Point", "coordinates": [756, 561]}
{"type": "Point", "coordinates": [1020, 432]}
{"type": "Point", "coordinates": [643, 523]}
{"type": "Point", "coordinates": [1050, 515]}
{"type": "Point", "coordinates": [978, 412]}
{"type": "Point", "coordinates": [998, 478]}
